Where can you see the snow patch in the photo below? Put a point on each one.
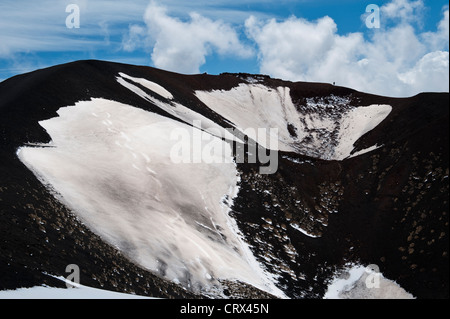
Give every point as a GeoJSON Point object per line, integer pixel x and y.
{"type": "Point", "coordinates": [76, 291]}
{"type": "Point", "coordinates": [155, 87]}
{"type": "Point", "coordinates": [303, 231]}
{"type": "Point", "coordinates": [253, 106]}
{"type": "Point", "coordinates": [80, 292]}
{"type": "Point", "coordinates": [356, 123]}
{"type": "Point", "coordinates": [359, 282]}
{"type": "Point", "coordinates": [366, 150]}
{"type": "Point", "coordinates": [153, 211]}
{"type": "Point", "coordinates": [325, 128]}
{"type": "Point", "coordinates": [181, 112]}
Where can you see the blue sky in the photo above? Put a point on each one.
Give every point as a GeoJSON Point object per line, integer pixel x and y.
{"type": "Point", "coordinates": [308, 40]}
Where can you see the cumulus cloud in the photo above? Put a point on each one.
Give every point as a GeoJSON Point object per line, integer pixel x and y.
{"type": "Point", "coordinates": [395, 60]}
{"type": "Point", "coordinates": [182, 46]}
{"type": "Point", "coordinates": [429, 72]}
{"type": "Point", "coordinates": [287, 49]}
{"type": "Point", "coordinates": [405, 11]}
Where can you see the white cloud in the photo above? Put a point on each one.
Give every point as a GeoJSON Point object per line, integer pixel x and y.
{"type": "Point", "coordinates": [182, 46]}
{"type": "Point", "coordinates": [405, 11]}
{"type": "Point", "coordinates": [395, 60]}
{"type": "Point", "coordinates": [287, 49]}
{"type": "Point", "coordinates": [430, 73]}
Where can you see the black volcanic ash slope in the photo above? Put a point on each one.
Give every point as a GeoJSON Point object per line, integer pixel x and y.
{"type": "Point", "coordinates": [387, 207]}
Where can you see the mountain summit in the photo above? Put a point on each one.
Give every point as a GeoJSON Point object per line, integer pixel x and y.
{"type": "Point", "coordinates": [216, 186]}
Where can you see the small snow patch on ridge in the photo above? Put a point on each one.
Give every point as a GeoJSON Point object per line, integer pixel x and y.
{"type": "Point", "coordinates": [158, 89]}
